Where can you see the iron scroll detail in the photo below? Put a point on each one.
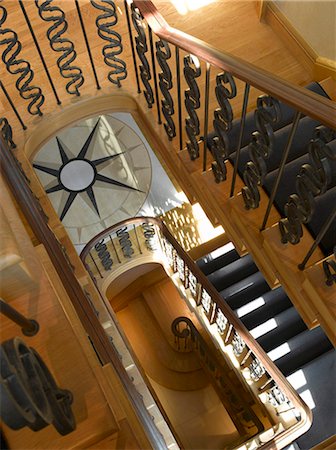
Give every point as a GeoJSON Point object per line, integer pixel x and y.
{"type": "Point", "coordinates": [18, 66]}
{"type": "Point", "coordinates": [7, 133]}
{"type": "Point", "coordinates": [105, 23]}
{"type": "Point", "coordinates": [163, 53]}
{"type": "Point", "coordinates": [29, 392]}
{"type": "Point", "coordinates": [266, 115]}
{"type": "Point", "coordinates": [312, 180]}
{"type": "Point", "coordinates": [142, 48]}
{"type": "Point", "coordinates": [60, 44]}
{"type": "Point", "coordinates": [222, 124]}
{"type": "Point", "coordinates": [191, 71]}
{"type": "Point", "coordinates": [329, 268]}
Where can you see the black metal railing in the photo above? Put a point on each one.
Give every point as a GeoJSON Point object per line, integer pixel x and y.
{"type": "Point", "coordinates": [229, 135]}
{"type": "Point", "coordinates": [191, 117]}
{"type": "Point", "coordinates": [148, 240]}
{"type": "Point", "coordinates": [230, 392]}
{"type": "Point", "coordinates": [29, 327]}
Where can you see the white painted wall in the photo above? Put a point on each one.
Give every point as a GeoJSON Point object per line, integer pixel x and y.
{"type": "Point", "coordinates": [315, 21]}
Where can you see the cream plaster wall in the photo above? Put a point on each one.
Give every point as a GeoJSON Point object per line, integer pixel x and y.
{"type": "Point", "coordinates": [315, 21]}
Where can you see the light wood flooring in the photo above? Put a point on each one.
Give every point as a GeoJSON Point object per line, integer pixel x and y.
{"type": "Point", "coordinates": [231, 26]}
{"type": "Point", "coordinates": [182, 387]}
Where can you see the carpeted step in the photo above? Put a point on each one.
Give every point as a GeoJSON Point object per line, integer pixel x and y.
{"type": "Point", "coordinates": [286, 116]}
{"type": "Point", "coordinates": [245, 290]}
{"type": "Point", "coordinates": [276, 301]}
{"type": "Point", "coordinates": [322, 203]}
{"type": "Point", "coordinates": [233, 272]}
{"type": "Point", "coordinates": [299, 146]}
{"type": "Point", "coordinates": [209, 265]}
{"type": "Point", "coordinates": [323, 208]}
{"type": "Point", "coordinates": [289, 324]}
{"type": "Point", "coordinates": [305, 347]}
{"type": "Point", "coordinates": [319, 376]}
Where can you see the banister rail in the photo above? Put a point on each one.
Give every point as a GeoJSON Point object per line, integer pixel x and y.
{"type": "Point", "coordinates": [38, 222]}
{"type": "Point", "coordinates": [250, 354]}
{"type": "Point", "coordinates": [299, 98]}
{"type": "Point", "coordinates": [239, 410]}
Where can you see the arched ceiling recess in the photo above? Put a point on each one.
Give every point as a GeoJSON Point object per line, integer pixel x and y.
{"type": "Point", "coordinates": [96, 173]}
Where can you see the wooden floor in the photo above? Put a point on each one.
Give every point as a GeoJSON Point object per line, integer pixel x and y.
{"type": "Point", "coordinates": [182, 387]}
{"type": "Point", "coordinates": [231, 26]}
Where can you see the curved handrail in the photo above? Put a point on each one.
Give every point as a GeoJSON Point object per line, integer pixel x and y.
{"type": "Point", "coordinates": [37, 221]}
{"type": "Point", "coordinates": [297, 97]}
{"type": "Point", "coordinates": [253, 345]}
{"type": "Point", "coordinates": [216, 371]}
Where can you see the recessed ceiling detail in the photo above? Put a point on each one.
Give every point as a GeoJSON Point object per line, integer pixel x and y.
{"type": "Point", "coordinates": [96, 173]}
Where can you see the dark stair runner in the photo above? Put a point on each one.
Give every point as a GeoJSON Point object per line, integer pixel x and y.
{"type": "Point", "coordinates": [310, 350]}
{"type": "Point", "coordinates": [239, 282]}
{"type": "Point", "coordinates": [298, 156]}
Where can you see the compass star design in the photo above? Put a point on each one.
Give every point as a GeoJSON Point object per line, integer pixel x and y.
{"type": "Point", "coordinates": [77, 175]}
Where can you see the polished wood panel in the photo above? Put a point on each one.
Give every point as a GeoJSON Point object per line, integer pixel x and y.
{"type": "Point", "coordinates": [46, 301]}
{"type": "Point", "coordinates": [297, 97]}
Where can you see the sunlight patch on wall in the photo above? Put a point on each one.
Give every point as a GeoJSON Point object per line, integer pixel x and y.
{"type": "Point", "coordinates": [204, 226]}
{"type": "Point", "coordinates": [308, 398]}
{"type": "Point", "coordinates": [185, 6]}
{"type": "Point", "coordinates": [255, 304]}
{"type": "Point", "coordinates": [297, 379]}
{"type": "Point", "coordinates": [263, 328]}
{"type": "Point", "coordinates": [278, 352]}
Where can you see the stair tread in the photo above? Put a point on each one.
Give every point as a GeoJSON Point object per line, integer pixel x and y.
{"type": "Point", "coordinates": [289, 324]}
{"type": "Point", "coordinates": [245, 290]}
{"type": "Point", "coordinates": [286, 116]}
{"type": "Point", "coordinates": [319, 375]}
{"type": "Point", "coordinates": [305, 347]}
{"type": "Point", "coordinates": [299, 146]}
{"type": "Point", "coordinates": [209, 265]}
{"type": "Point", "coordinates": [275, 300]}
{"type": "Point", "coordinates": [233, 272]}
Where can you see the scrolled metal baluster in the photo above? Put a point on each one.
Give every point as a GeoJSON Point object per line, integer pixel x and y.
{"type": "Point", "coordinates": [61, 44]}
{"type": "Point", "coordinates": [12, 106]}
{"type": "Point", "coordinates": [19, 66]}
{"type": "Point", "coordinates": [7, 133]}
{"type": "Point", "coordinates": [142, 48]}
{"type": "Point", "coordinates": [163, 53]}
{"type": "Point", "coordinates": [266, 115]}
{"type": "Point", "coordinates": [312, 180]}
{"type": "Point", "coordinates": [222, 123]}
{"type": "Point", "coordinates": [331, 219]}
{"type": "Point", "coordinates": [105, 23]}
{"type": "Point", "coordinates": [192, 70]}
{"type": "Point", "coordinates": [329, 268]}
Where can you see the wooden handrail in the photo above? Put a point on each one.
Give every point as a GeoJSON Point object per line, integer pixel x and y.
{"type": "Point", "coordinates": [301, 99]}
{"type": "Point", "coordinates": [253, 345]}
{"type": "Point", "coordinates": [34, 215]}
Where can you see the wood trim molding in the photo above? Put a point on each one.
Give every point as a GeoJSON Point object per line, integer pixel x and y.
{"type": "Point", "coordinates": [301, 99]}
{"type": "Point", "coordinates": [317, 66]}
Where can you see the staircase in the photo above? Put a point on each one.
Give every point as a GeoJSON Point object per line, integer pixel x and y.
{"type": "Point", "coordinates": [193, 155]}
{"type": "Point", "coordinates": [306, 357]}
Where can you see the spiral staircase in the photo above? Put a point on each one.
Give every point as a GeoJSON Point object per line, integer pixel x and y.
{"type": "Point", "coordinates": [258, 154]}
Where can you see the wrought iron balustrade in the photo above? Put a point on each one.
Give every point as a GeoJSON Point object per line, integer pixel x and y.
{"type": "Point", "coordinates": [171, 66]}
{"type": "Point", "coordinates": [163, 84]}
{"type": "Point", "coordinates": [152, 242]}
